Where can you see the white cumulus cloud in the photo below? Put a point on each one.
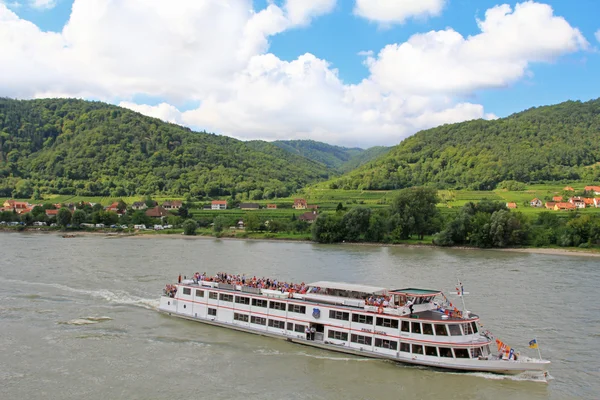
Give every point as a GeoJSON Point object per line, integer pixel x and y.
{"type": "Point", "coordinates": [397, 11]}
{"type": "Point", "coordinates": [446, 62]}
{"type": "Point", "coordinates": [216, 54]}
{"type": "Point", "coordinates": [597, 34]}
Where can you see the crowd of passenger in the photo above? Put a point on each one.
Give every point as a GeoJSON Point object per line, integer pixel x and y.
{"type": "Point", "coordinates": [254, 282]}
{"type": "Point", "coordinates": [272, 284]}
{"type": "Point", "coordinates": [170, 290]}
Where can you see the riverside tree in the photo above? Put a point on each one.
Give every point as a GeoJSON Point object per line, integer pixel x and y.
{"type": "Point", "coordinates": [189, 227]}
{"type": "Point", "coordinates": [63, 218]}
{"type": "Point", "coordinates": [414, 212]}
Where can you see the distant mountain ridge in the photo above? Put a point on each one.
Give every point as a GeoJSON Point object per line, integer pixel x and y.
{"type": "Point", "coordinates": [69, 146]}
{"type": "Point", "coordinates": [342, 159]}
{"type": "Point", "coordinates": [550, 143]}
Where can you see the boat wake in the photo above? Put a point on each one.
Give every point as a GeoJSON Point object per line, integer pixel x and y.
{"type": "Point", "coordinates": [119, 297]}
{"type": "Point", "coordinates": [523, 377]}
{"type": "Point", "coordinates": [85, 321]}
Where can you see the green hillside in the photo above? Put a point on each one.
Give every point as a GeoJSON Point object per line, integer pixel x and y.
{"type": "Point", "coordinates": [75, 147]}
{"type": "Point", "coordinates": [342, 159]}
{"type": "Point", "coordinates": [552, 143]}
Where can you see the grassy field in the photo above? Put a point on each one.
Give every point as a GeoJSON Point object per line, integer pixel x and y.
{"type": "Point", "coordinates": [328, 200]}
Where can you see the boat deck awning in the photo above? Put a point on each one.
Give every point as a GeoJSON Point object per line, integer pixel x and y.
{"type": "Point", "coordinates": [412, 292]}
{"type": "Point", "coordinates": [349, 287]}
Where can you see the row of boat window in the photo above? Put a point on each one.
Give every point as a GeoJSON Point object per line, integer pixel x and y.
{"type": "Point", "coordinates": [270, 322]}
{"type": "Point", "coordinates": [404, 347]}
{"type": "Point", "coordinates": [424, 328]}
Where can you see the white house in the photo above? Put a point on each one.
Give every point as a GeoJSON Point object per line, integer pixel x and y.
{"type": "Point", "coordinates": [219, 205]}
{"type": "Point", "coordinates": [536, 203]}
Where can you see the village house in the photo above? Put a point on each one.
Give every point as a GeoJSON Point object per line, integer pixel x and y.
{"type": "Point", "coordinates": [535, 202]}
{"type": "Point", "coordinates": [219, 205]}
{"type": "Point", "coordinates": [51, 213]}
{"type": "Point", "coordinates": [511, 206]}
{"type": "Point", "coordinates": [589, 202]}
{"type": "Point", "coordinates": [139, 205]}
{"type": "Point", "coordinates": [564, 206]}
{"type": "Point", "coordinates": [249, 206]}
{"type": "Point", "coordinates": [592, 189]}
{"type": "Point", "coordinates": [299, 204]}
{"type": "Point", "coordinates": [597, 202]}
{"type": "Point", "coordinates": [550, 205]}
{"type": "Point", "coordinates": [577, 202]}
{"type": "Point", "coordinates": [271, 206]}
{"type": "Point", "coordinates": [172, 204]}
{"type": "Point", "coordinates": [157, 212]}
{"type": "Point", "coordinates": [114, 207]}
{"type": "Point", "coordinates": [309, 217]}
{"type": "Point", "coordinates": [557, 199]}
{"type": "Point", "coordinates": [20, 207]}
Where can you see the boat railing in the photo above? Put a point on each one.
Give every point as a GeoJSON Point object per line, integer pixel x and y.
{"type": "Point", "coordinates": [252, 290]}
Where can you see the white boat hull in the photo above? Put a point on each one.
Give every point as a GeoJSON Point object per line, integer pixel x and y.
{"type": "Point", "coordinates": [498, 366]}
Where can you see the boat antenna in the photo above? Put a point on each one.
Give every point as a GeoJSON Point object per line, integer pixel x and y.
{"type": "Point", "coordinates": [460, 291]}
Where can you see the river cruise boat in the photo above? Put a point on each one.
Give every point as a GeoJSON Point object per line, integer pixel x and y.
{"type": "Point", "coordinates": [415, 326]}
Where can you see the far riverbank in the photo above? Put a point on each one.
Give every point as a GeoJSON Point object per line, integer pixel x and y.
{"type": "Point", "coordinates": [115, 235]}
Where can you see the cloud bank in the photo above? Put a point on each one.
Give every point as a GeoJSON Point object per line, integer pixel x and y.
{"type": "Point", "coordinates": [216, 54]}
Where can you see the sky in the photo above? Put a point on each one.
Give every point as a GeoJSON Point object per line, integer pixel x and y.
{"type": "Point", "coordinates": [355, 73]}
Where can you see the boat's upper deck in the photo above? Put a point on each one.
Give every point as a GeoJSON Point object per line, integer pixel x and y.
{"type": "Point", "coordinates": [418, 303]}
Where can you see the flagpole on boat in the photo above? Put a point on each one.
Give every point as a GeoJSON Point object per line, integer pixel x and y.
{"type": "Point", "coordinates": [538, 347]}
{"type": "Point", "coordinates": [461, 294]}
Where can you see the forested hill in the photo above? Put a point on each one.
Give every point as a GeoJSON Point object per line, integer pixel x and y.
{"type": "Point", "coordinates": [342, 159]}
{"type": "Point", "coordinates": [90, 148]}
{"type": "Point", "coordinates": [540, 144]}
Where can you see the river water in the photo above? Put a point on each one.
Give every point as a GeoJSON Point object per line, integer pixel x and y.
{"type": "Point", "coordinates": [78, 321]}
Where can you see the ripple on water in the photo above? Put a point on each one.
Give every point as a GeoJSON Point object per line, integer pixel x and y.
{"type": "Point", "coordinates": [85, 321]}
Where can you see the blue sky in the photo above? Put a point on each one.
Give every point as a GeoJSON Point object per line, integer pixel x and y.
{"type": "Point", "coordinates": [304, 72]}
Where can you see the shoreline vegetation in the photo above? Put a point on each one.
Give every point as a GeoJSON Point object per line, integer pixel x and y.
{"type": "Point", "coordinates": [179, 235]}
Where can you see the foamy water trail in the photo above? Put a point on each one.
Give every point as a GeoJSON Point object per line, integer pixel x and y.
{"type": "Point", "coordinates": [523, 377]}
{"type": "Point", "coordinates": [115, 297]}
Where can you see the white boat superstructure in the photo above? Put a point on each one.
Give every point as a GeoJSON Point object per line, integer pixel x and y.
{"type": "Point", "coordinates": [415, 326]}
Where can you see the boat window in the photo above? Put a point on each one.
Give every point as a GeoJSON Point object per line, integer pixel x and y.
{"type": "Point", "coordinates": [405, 347]}
{"type": "Point", "coordinates": [360, 339]}
{"type": "Point", "coordinates": [213, 295]}
{"type": "Point", "coordinates": [446, 352]}
{"type": "Point", "coordinates": [440, 330]}
{"type": "Point", "coordinates": [416, 327]}
{"type": "Point", "coordinates": [259, 303]}
{"type": "Point", "coordinates": [199, 293]}
{"type": "Point", "coordinates": [476, 352]}
{"type": "Point", "coordinates": [431, 351]}
{"type": "Point", "coordinates": [427, 329]}
{"type": "Point", "coordinates": [258, 320]}
{"type": "Point", "coordinates": [362, 319]}
{"type": "Point", "coordinates": [296, 308]}
{"type": "Point", "coordinates": [461, 353]}
{"type": "Point", "coordinates": [405, 326]}
{"type": "Point", "coordinates": [474, 326]}
{"type": "Point", "coordinates": [387, 322]}
{"type": "Point", "coordinates": [242, 300]}
{"type": "Point", "coordinates": [339, 315]}
{"type": "Point", "coordinates": [386, 344]}
{"type": "Point", "coordinates": [240, 317]}
{"type": "Point", "coordinates": [275, 305]}
{"type": "Point", "coordinates": [290, 326]}
{"type": "Point", "coordinates": [454, 330]}
{"type": "Point", "coordinates": [187, 290]}
{"type": "Point", "coordinates": [337, 335]}
{"type": "Point", "coordinates": [212, 311]}
{"type": "Point", "coordinates": [226, 297]}
{"type": "Point", "coordinates": [417, 349]}
{"type": "Point", "coordinates": [276, 324]}
{"type": "Point", "coordinates": [300, 328]}
{"type": "Point", "coordinates": [467, 329]}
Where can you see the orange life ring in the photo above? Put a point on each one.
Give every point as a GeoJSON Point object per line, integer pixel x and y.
{"type": "Point", "coordinates": [380, 310]}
